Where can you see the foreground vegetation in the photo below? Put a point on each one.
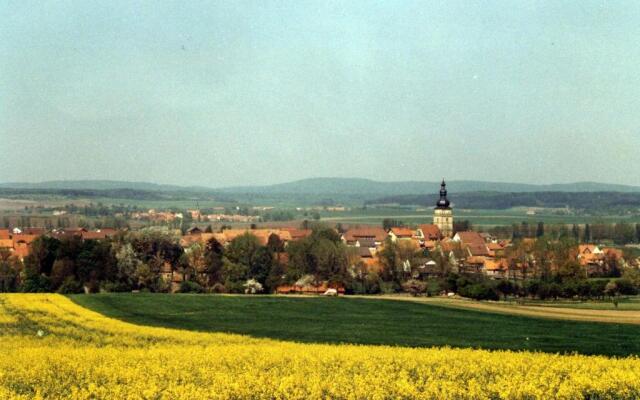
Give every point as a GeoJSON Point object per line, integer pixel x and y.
{"type": "Point", "coordinates": [365, 321]}
{"type": "Point", "coordinates": [53, 348]}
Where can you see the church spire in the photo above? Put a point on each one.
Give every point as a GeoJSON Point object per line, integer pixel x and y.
{"type": "Point", "coordinates": [443, 202]}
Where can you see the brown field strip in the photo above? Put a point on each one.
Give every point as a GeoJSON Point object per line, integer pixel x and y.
{"type": "Point", "coordinates": [609, 316]}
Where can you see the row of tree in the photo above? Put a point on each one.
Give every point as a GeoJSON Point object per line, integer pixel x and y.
{"type": "Point", "coordinates": [156, 261]}
{"type": "Point", "coordinates": [152, 260]}
{"type": "Point", "coordinates": [619, 233]}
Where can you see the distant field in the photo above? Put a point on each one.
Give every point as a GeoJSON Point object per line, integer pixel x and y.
{"type": "Point", "coordinates": [365, 321]}
{"type": "Point", "coordinates": [485, 218]}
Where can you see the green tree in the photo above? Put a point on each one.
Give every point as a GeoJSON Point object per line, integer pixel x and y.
{"type": "Point", "coordinates": [213, 254]}
{"type": "Point", "coordinates": [587, 234]}
{"type": "Point", "coordinates": [62, 269]}
{"type": "Point", "coordinates": [540, 229]}
{"type": "Point", "coordinates": [242, 249]}
{"type": "Point", "coordinates": [575, 232]}
{"type": "Point", "coordinates": [9, 270]}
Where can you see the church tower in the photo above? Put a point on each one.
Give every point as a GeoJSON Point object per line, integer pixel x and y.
{"type": "Point", "coordinates": [442, 214]}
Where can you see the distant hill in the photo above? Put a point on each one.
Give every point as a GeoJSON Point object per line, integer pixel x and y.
{"type": "Point", "coordinates": [333, 187]}
{"type": "Point", "coordinates": [367, 187]}
{"type": "Point", "coordinates": [99, 185]}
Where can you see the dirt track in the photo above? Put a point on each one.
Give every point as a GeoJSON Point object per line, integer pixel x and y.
{"type": "Point", "coordinates": [610, 316]}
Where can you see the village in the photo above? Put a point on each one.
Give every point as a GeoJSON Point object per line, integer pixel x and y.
{"type": "Point", "coordinates": [402, 253]}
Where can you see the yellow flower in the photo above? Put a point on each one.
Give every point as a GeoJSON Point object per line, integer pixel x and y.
{"type": "Point", "coordinates": [84, 355]}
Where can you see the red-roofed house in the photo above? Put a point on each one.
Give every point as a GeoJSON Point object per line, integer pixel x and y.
{"type": "Point", "coordinates": [427, 232]}
{"type": "Point", "coordinates": [351, 236]}
{"type": "Point", "coordinates": [399, 233]}
{"type": "Point", "coordinates": [473, 241]}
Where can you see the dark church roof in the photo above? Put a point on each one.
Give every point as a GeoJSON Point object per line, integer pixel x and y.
{"type": "Point", "coordinates": [443, 203]}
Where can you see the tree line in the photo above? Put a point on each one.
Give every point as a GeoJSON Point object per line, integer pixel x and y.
{"type": "Point", "coordinates": [156, 261]}
{"type": "Point", "coordinates": [594, 202]}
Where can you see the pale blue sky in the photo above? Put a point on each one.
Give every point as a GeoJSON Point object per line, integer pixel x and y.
{"type": "Point", "coordinates": [230, 93]}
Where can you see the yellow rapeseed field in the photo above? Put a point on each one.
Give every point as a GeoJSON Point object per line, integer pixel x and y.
{"type": "Point", "coordinates": [52, 348]}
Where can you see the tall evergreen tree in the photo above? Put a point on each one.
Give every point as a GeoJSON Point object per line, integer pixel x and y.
{"type": "Point", "coordinates": [540, 229]}
{"type": "Point", "coordinates": [575, 231]}
{"type": "Point", "coordinates": [587, 233]}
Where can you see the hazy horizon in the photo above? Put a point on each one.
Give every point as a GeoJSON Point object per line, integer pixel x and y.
{"type": "Point", "coordinates": [234, 94]}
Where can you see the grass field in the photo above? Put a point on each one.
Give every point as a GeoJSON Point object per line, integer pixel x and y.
{"type": "Point", "coordinates": [366, 321]}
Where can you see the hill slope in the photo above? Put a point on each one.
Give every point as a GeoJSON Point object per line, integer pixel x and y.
{"type": "Point", "coordinates": [334, 186]}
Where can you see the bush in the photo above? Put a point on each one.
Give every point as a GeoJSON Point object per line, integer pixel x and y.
{"type": "Point", "coordinates": [480, 291]}
{"type": "Point", "coordinates": [190, 287]}
{"type": "Point", "coordinates": [625, 287]}
{"type": "Point", "coordinates": [252, 286]}
{"type": "Point", "coordinates": [36, 284]}
{"type": "Point", "coordinates": [70, 285]}
{"type": "Point", "coordinates": [234, 286]}
{"type": "Point", "coordinates": [414, 287]}
{"type": "Point", "coordinates": [389, 287]}
{"type": "Point", "coordinates": [218, 288]}
{"type": "Point", "coordinates": [450, 283]}
{"type": "Point", "coordinates": [115, 287]}
{"type": "Point", "coordinates": [434, 287]}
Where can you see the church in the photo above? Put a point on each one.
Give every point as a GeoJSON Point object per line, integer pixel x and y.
{"type": "Point", "coordinates": [443, 214]}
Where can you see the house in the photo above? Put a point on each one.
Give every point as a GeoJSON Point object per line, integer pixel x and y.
{"type": "Point", "coordinates": [584, 249]}
{"type": "Point", "coordinates": [297, 234]}
{"type": "Point", "coordinates": [401, 233]}
{"type": "Point", "coordinates": [495, 249]}
{"type": "Point", "coordinates": [351, 236]}
{"type": "Point", "coordinates": [473, 241]}
{"type": "Point", "coordinates": [613, 253]}
{"type": "Point", "coordinates": [365, 252]}
{"type": "Point", "coordinates": [368, 243]}
{"type": "Point", "coordinates": [429, 245]}
{"type": "Point", "coordinates": [99, 234]}
{"type": "Point", "coordinates": [425, 269]}
{"type": "Point", "coordinates": [262, 234]}
{"type": "Point", "coordinates": [496, 268]}
{"type": "Point", "coordinates": [428, 232]}
{"type": "Point", "coordinates": [473, 264]}
{"type": "Point", "coordinates": [590, 256]}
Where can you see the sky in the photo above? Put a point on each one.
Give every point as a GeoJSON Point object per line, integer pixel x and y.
{"type": "Point", "coordinates": [259, 92]}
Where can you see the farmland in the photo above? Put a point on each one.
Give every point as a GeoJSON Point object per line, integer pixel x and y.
{"type": "Point", "coordinates": [368, 321]}
{"type": "Point", "coordinates": [53, 348]}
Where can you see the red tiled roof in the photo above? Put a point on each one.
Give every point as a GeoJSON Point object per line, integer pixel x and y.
{"type": "Point", "coordinates": [402, 232]}
{"type": "Point", "coordinates": [469, 237]}
{"type": "Point", "coordinates": [22, 238]}
{"type": "Point", "coordinates": [614, 253]}
{"type": "Point", "coordinates": [297, 234]}
{"type": "Point", "coordinates": [496, 265]}
{"type": "Point", "coordinates": [100, 234]}
{"type": "Point", "coordinates": [476, 260]}
{"type": "Point", "coordinates": [378, 234]}
{"type": "Point", "coordinates": [33, 231]}
{"type": "Point", "coordinates": [474, 242]}
{"type": "Point", "coordinates": [430, 231]}
{"type": "Point", "coordinates": [586, 248]}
